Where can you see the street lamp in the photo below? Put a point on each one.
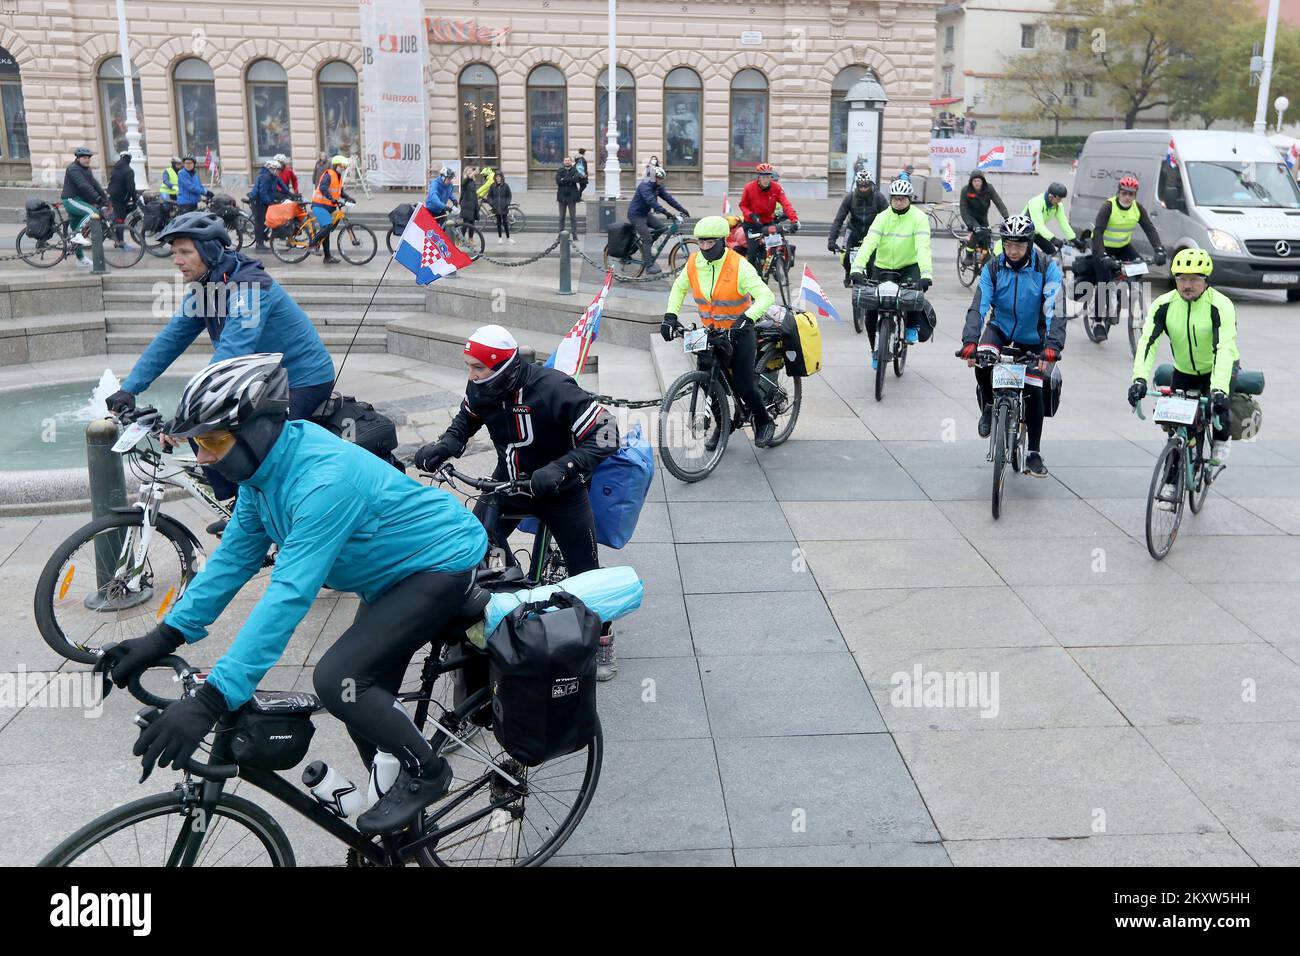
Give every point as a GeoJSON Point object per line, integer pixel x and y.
{"type": "Point", "coordinates": [132, 121]}
{"type": "Point", "coordinates": [611, 98]}
{"type": "Point", "coordinates": [1280, 104]}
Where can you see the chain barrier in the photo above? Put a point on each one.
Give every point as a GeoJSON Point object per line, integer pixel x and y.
{"type": "Point", "coordinates": [512, 264]}
{"type": "Point", "coordinates": [618, 278]}
{"type": "Point", "coordinates": [628, 403]}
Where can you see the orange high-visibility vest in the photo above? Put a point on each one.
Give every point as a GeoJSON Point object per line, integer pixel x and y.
{"type": "Point", "coordinates": [727, 304]}
{"type": "Point", "coordinates": [335, 186]}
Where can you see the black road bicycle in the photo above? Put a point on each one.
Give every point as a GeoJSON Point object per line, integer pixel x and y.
{"type": "Point", "coordinates": [891, 299]}
{"type": "Point", "coordinates": [1009, 433]}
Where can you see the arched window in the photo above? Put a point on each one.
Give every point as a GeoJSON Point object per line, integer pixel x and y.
{"type": "Point", "coordinates": [748, 124]}
{"type": "Point", "coordinates": [112, 107]}
{"type": "Point", "coordinates": [268, 110]}
{"type": "Point", "coordinates": [339, 121]}
{"type": "Point", "coordinates": [547, 120]}
{"type": "Point", "coordinates": [15, 158]}
{"type": "Point", "coordinates": [196, 109]}
{"type": "Point", "coordinates": [839, 134]}
{"type": "Point", "coordinates": [479, 123]}
{"type": "Point", "coordinates": [625, 124]}
{"type": "Point", "coordinates": [683, 125]}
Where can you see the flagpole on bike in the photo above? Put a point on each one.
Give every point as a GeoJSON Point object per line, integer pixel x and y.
{"type": "Point", "coordinates": [360, 322]}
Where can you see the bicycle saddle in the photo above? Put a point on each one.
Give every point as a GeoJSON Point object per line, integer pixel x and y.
{"type": "Point", "coordinates": [285, 703]}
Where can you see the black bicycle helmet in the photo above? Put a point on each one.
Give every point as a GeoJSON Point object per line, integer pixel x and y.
{"type": "Point", "coordinates": [197, 226]}
{"type": "Point", "coordinates": [229, 394]}
{"type": "Point", "coordinates": [82, 151]}
{"type": "Point", "coordinates": [188, 158]}
{"type": "Point", "coordinates": [1057, 189]}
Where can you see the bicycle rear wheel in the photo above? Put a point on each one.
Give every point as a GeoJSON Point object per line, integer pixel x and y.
{"type": "Point", "coordinates": [357, 243]}
{"type": "Point", "coordinates": [693, 415]}
{"type": "Point", "coordinates": [40, 254]}
{"type": "Point", "coordinates": [1165, 500]}
{"type": "Point", "coordinates": [1200, 490]}
{"type": "Point", "coordinates": [627, 268]}
{"type": "Point", "coordinates": [467, 238]}
{"type": "Point", "coordinates": [968, 265]}
{"type": "Point", "coordinates": [125, 255]}
{"type": "Point", "coordinates": [515, 216]}
{"type": "Point", "coordinates": [296, 247]}
{"type": "Point", "coordinates": [154, 831]}
{"type": "Point", "coordinates": [884, 345]}
{"type": "Point", "coordinates": [787, 398]}
{"type": "Point", "coordinates": [956, 228]}
{"type": "Point", "coordinates": [391, 240]}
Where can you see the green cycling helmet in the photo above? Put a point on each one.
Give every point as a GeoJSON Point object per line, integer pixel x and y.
{"type": "Point", "coordinates": [712, 227]}
{"type": "Point", "coordinates": [1192, 262]}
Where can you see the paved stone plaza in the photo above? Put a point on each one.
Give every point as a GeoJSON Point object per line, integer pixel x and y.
{"type": "Point", "coordinates": [1134, 712]}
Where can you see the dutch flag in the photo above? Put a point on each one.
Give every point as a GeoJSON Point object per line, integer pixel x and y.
{"type": "Point", "coordinates": [993, 158]}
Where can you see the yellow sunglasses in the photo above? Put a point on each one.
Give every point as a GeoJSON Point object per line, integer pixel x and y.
{"type": "Point", "coordinates": [216, 443]}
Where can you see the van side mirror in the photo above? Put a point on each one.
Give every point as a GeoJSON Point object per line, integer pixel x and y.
{"type": "Point", "coordinates": [1172, 198]}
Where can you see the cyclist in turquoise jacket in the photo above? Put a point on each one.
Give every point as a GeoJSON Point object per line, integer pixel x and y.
{"type": "Point", "coordinates": [343, 519]}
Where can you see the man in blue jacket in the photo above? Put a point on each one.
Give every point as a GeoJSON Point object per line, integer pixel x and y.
{"type": "Point", "coordinates": [1021, 286]}
{"type": "Point", "coordinates": [190, 190]}
{"type": "Point", "coordinates": [243, 310]}
{"type": "Point", "coordinates": [441, 194]}
{"type": "Point", "coordinates": [343, 519]}
{"type": "Point", "coordinates": [641, 212]}
{"type": "Point", "coordinates": [267, 191]}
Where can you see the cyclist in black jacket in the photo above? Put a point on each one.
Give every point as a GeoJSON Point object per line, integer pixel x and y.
{"type": "Point", "coordinates": [976, 198]}
{"type": "Point", "coordinates": [860, 209]}
{"type": "Point", "coordinates": [82, 197]}
{"type": "Point", "coordinates": [543, 425]}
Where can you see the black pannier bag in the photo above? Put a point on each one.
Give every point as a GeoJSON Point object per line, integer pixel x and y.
{"type": "Point", "coordinates": [359, 423]}
{"type": "Point", "coordinates": [274, 729]}
{"type": "Point", "coordinates": [151, 212]}
{"type": "Point", "coordinates": [622, 241]}
{"type": "Point", "coordinates": [400, 216]}
{"type": "Point", "coordinates": [40, 219]}
{"type": "Point", "coordinates": [542, 667]}
{"type": "Point", "coordinates": [226, 207]}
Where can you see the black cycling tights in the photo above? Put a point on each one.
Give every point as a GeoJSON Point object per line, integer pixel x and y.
{"type": "Point", "coordinates": [358, 678]}
{"type": "Point", "coordinates": [744, 345]}
{"type": "Point", "coordinates": [1033, 394]}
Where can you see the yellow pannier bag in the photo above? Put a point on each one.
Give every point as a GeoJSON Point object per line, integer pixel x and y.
{"type": "Point", "coordinates": [803, 344]}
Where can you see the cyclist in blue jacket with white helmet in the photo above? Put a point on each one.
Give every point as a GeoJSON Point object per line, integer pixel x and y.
{"type": "Point", "coordinates": [343, 519]}
{"type": "Point", "coordinates": [441, 194]}
{"type": "Point", "coordinates": [1021, 286]}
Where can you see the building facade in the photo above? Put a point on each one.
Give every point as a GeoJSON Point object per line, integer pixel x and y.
{"type": "Point", "coordinates": [710, 87]}
{"type": "Point", "coordinates": [975, 39]}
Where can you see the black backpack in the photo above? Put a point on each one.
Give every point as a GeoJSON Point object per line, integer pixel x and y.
{"type": "Point", "coordinates": [401, 215]}
{"type": "Point", "coordinates": [40, 219]}
{"type": "Point", "coordinates": [359, 423]}
{"type": "Point", "coordinates": [542, 669]}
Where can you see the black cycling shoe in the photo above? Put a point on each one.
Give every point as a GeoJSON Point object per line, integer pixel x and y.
{"type": "Point", "coordinates": [986, 421]}
{"type": "Point", "coordinates": [1034, 465]}
{"type": "Point", "coordinates": [763, 436]}
{"type": "Point", "coordinates": [402, 805]}
{"type": "Point", "coordinates": [711, 443]}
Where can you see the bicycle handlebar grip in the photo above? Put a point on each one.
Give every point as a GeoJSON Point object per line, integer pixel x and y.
{"type": "Point", "coordinates": [178, 666]}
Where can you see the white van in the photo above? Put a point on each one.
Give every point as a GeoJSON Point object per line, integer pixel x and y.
{"type": "Point", "coordinates": [1228, 193]}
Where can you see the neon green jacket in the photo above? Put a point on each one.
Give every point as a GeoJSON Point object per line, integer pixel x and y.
{"type": "Point", "coordinates": [488, 178]}
{"type": "Point", "coordinates": [1202, 335]}
{"type": "Point", "coordinates": [898, 240]}
{"type": "Point", "coordinates": [748, 281]}
{"type": "Point", "coordinates": [1036, 209]}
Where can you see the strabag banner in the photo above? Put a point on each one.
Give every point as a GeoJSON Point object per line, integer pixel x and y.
{"type": "Point", "coordinates": [963, 154]}
{"type": "Point", "coordinates": [393, 57]}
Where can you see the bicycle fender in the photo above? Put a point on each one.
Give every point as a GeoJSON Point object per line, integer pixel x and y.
{"type": "Point", "coordinates": [171, 523]}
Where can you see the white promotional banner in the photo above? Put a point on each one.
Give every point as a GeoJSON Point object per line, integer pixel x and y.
{"type": "Point", "coordinates": [1022, 155]}
{"type": "Point", "coordinates": [959, 154]}
{"type": "Point", "coordinates": [393, 59]}
{"type": "Point", "coordinates": [862, 141]}
{"type": "Point", "coordinates": [964, 154]}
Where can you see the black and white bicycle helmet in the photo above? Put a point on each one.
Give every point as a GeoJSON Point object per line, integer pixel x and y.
{"type": "Point", "coordinates": [1017, 228]}
{"type": "Point", "coordinates": [228, 394]}
{"type": "Point", "coordinates": [863, 178]}
{"type": "Point", "coordinates": [901, 187]}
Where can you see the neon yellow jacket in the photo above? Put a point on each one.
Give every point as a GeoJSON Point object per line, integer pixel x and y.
{"type": "Point", "coordinates": [1202, 335]}
{"type": "Point", "coordinates": [1036, 209]}
{"type": "Point", "coordinates": [898, 240]}
{"type": "Point", "coordinates": [488, 178]}
{"type": "Point", "coordinates": [749, 282]}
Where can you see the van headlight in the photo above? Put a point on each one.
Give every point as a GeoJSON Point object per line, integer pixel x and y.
{"type": "Point", "coordinates": [1224, 241]}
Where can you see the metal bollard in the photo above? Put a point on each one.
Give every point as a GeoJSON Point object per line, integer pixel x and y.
{"type": "Point", "coordinates": [566, 265]}
{"type": "Point", "coordinates": [107, 491]}
{"type": "Point", "coordinates": [97, 266]}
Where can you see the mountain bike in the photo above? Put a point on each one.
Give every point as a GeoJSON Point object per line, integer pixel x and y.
{"type": "Point", "coordinates": [975, 249]}
{"type": "Point", "coordinates": [355, 242]}
{"type": "Point", "coordinates": [891, 299]}
{"type": "Point", "coordinates": [545, 562]}
{"type": "Point", "coordinates": [778, 254]}
{"type": "Point", "coordinates": [700, 410]}
{"type": "Point", "coordinates": [669, 237]}
{"type": "Point", "coordinates": [1124, 292]}
{"type": "Point", "coordinates": [45, 253]}
{"type": "Point", "coordinates": [498, 811]}
{"type": "Point", "coordinates": [1183, 465]}
{"type": "Point", "coordinates": [117, 576]}
{"type": "Point", "coordinates": [1009, 433]}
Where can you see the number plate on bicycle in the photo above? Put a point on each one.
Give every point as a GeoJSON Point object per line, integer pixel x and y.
{"type": "Point", "coordinates": [131, 437]}
{"type": "Point", "coordinates": [1172, 410]}
{"type": "Point", "coordinates": [1009, 376]}
{"type": "Point", "coordinates": [887, 290]}
{"type": "Point", "coordinates": [695, 340]}
{"type": "Point", "coordinates": [1134, 269]}
{"type": "Point", "coordinates": [773, 240]}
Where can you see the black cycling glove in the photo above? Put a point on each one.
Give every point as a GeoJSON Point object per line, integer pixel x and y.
{"type": "Point", "coordinates": [120, 402]}
{"type": "Point", "coordinates": [1137, 391]}
{"type": "Point", "coordinates": [121, 662]}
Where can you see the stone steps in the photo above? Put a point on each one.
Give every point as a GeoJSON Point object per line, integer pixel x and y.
{"type": "Point", "coordinates": [136, 340]}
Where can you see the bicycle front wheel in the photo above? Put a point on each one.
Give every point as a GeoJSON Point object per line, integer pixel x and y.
{"type": "Point", "coordinates": [101, 585]}
{"type": "Point", "coordinates": [1136, 318]}
{"type": "Point", "coordinates": [160, 831]}
{"type": "Point", "coordinates": [782, 277]}
{"type": "Point", "coordinates": [357, 243]}
{"type": "Point", "coordinates": [968, 265]}
{"type": "Point", "coordinates": [680, 253]}
{"type": "Point", "coordinates": [694, 424]}
{"type": "Point", "coordinates": [1165, 500]}
{"type": "Point", "coordinates": [124, 254]}
{"type": "Point", "coordinates": [1001, 442]}
{"type": "Point", "coordinates": [884, 340]}
{"type": "Point", "coordinates": [40, 254]}
{"type": "Point", "coordinates": [468, 239]}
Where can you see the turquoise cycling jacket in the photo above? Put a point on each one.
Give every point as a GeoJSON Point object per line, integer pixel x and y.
{"type": "Point", "coordinates": [342, 518]}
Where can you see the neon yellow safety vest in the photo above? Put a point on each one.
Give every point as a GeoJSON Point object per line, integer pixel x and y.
{"type": "Point", "coordinates": [1120, 226]}
{"type": "Point", "coordinates": [170, 183]}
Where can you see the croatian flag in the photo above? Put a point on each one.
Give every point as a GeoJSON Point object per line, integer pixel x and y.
{"type": "Point", "coordinates": [726, 205]}
{"type": "Point", "coordinates": [571, 357]}
{"type": "Point", "coordinates": [426, 250]}
{"type": "Point", "coordinates": [813, 294]}
{"type": "Point", "coordinates": [1293, 157]}
{"type": "Point", "coordinates": [993, 158]}
{"type": "Point", "coordinates": [1171, 157]}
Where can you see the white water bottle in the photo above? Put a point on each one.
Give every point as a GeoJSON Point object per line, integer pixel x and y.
{"type": "Point", "coordinates": [335, 792]}
{"type": "Point", "coordinates": [383, 773]}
